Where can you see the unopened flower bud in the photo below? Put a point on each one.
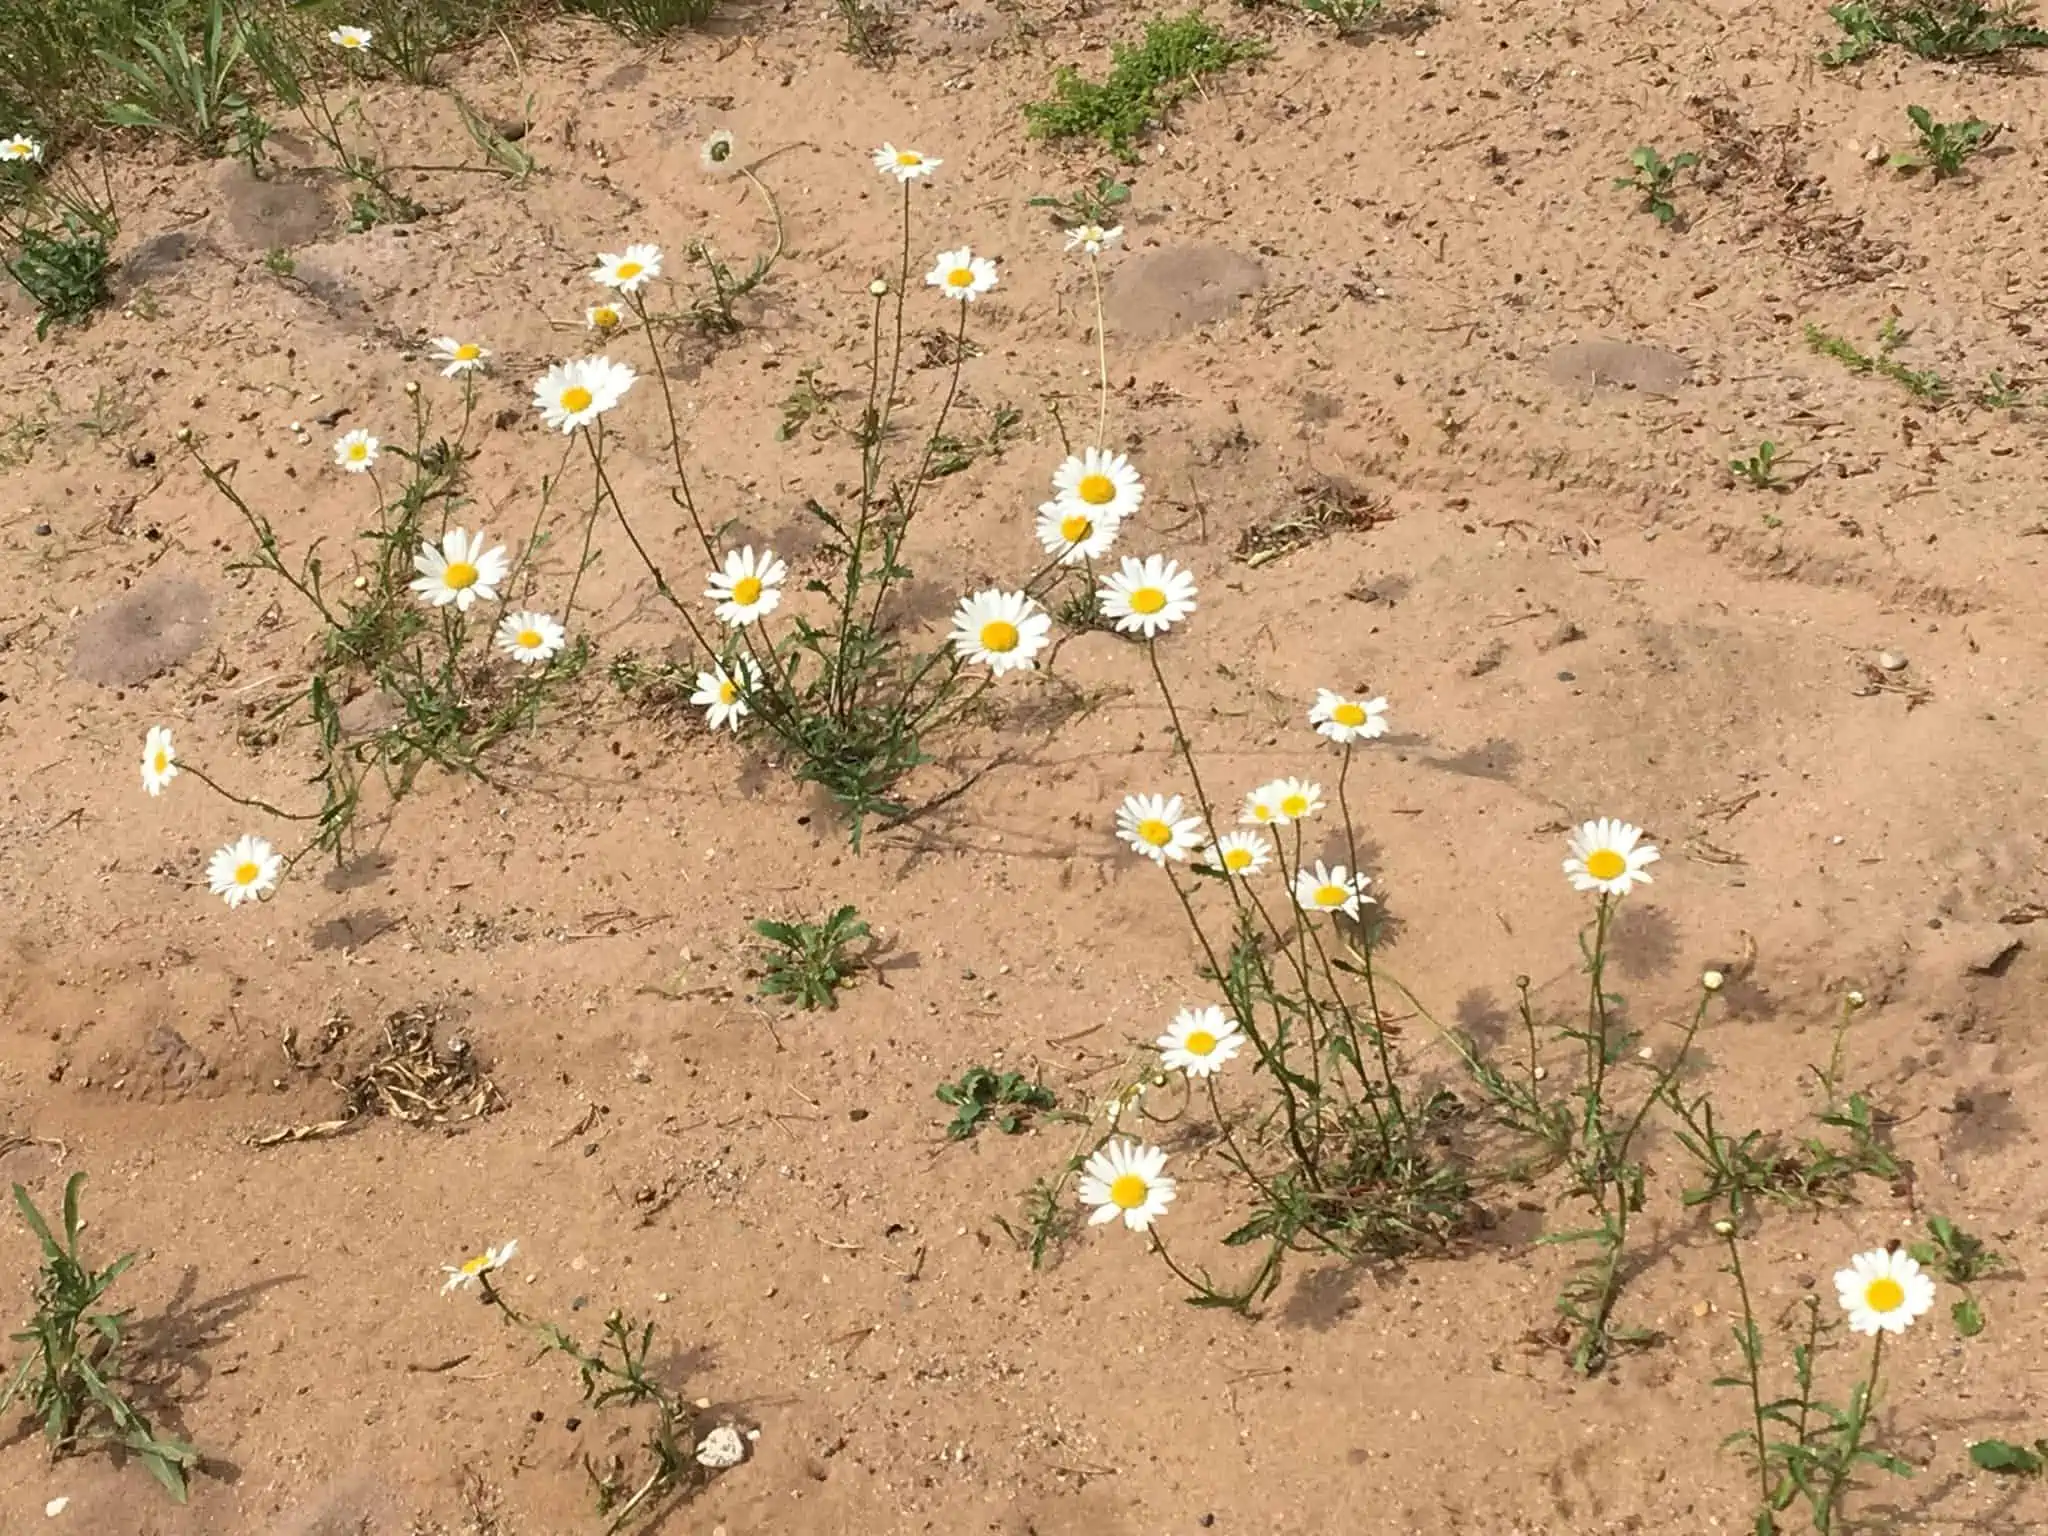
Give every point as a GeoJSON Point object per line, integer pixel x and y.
{"type": "Point", "coordinates": [1712, 980]}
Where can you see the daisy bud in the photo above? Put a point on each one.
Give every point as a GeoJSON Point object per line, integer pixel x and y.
{"type": "Point", "coordinates": [1712, 980]}
{"type": "Point", "coordinates": [879, 287]}
{"type": "Point", "coordinates": [1724, 1228]}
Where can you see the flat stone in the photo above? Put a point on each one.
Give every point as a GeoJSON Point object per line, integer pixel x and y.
{"type": "Point", "coordinates": [1169, 292]}
{"type": "Point", "coordinates": [157, 256]}
{"type": "Point", "coordinates": [1600, 364]}
{"type": "Point", "coordinates": [148, 630]}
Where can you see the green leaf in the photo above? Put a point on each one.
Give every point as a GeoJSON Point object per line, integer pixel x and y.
{"type": "Point", "coordinates": [1968, 1317]}
{"type": "Point", "coordinates": [2004, 1456]}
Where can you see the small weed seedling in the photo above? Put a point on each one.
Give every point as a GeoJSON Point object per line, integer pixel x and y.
{"type": "Point", "coordinates": [1934, 29]}
{"type": "Point", "coordinates": [1959, 1258]}
{"type": "Point", "coordinates": [1760, 469]}
{"type": "Point", "coordinates": [1653, 177]}
{"type": "Point", "coordinates": [870, 31]}
{"type": "Point", "coordinates": [646, 18]}
{"type": "Point", "coordinates": [1007, 1100]}
{"type": "Point", "coordinates": [1144, 83]}
{"type": "Point", "coordinates": [1349, 17]}
{"type": "Point", "coordinates": [1098, 204]}
{"type": "Point", "coordinates": [807, 963]}
{"type": "Point", "coordinates": [1925, 384]}
{"type": "Point", "coordinates": [2004, 1456]}
{"type": "Point", "coordinates": [1943, 147]}
{"type": "Point", "coordinates": [70, 1378]}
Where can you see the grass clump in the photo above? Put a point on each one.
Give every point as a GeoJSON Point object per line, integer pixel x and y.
{"type": "Point", "coordinates": [807, 963]}
{"type": "Point", "coordinates": [70, 1377]}
{"type": "Point", "coordinates": [1144, 83]}
{"type": "Point", "coordinates": [1007, 1100]}
{"type": "Point", "coordinates": [1923, 383]}
{"type": "Point", "coordinates": [646, 18]}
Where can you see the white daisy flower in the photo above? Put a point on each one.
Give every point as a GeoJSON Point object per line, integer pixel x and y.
{"type": "Point", "coordinates": [905, 164]}
{"type": "Point", "coordinates": [19, 148]}
{"type": "Point", "coordinates": [575, 393]}
{"type": "Point", "coordinates": [630, 272]}
{"type": "Point", "coordinates": [1333, 889]}
{"type": "Point", "coordinates": [530, 637]}
{"type": "Point", "coordinates": [159, 761]}
{"type": "Point", "coordinates": [962, 275]}
{"type": "Point", "coordinates": [356, 451]}
{"type": "Point", "coordinates": [243, 870]}
{"type": "Point", "coordinates": [1239, 853]}
{"type": "Point", "coordinates": [353, 39]}
{"type": "Point", "coordinates": [1199, 1042]}
{"type": "Point", "coordinates": [1128, 1180]}
{"type": "Point", "coordinates": [472, 1271]}
{"type": "Point", "coordinates": [1883, 1290]}
{"type": "Point", "coordinates": [460, 356]}
{"type": "Point", "coordinates": [1098, 481]}
{"type": "Point", "coordinates": [1280, 802]}
{"type": "Point", "coordinates": [719, 154]}
{"type": "Point", "coordinates": [1147, 597]}
{"type": "Point", "coordinates": [1609, 856]}
{"type": "Point", "coordinates": [721, 694]}
{"type": "Point", "coordinates": [1075, 533]}
{"type": "Point", "coordinates": [603, 318]}
{"type": "Point", "coordinates": [460, 570]}
{"type": "Point", "coordinates": [1002, 631]}
{"type": "Point", "coordinates": [1156, 826]}
{"type": "Point", "coordinates": [1093, 238]}
{"type": "Point", "coordinates": [1344, 719]}
{"type": "Point", "coordinates": [746, 588]}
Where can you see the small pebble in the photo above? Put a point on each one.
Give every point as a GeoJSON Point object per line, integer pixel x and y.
{"type": "Point", "coordinates": [56, 1507]}
{"type": "Point", "coordinates": [1891, 661]}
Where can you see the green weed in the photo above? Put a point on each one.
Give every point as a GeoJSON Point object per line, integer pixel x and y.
{"type": "Point", "coordinates": [1943, 147]}
{"type": "Point", "coordinates": [870, 31]}
{"type": "Point", "coordinates": [1760, 468]}
{"type": "Point", "coordinates": [646, 18]}
{"type": "Point", "coordinates": [1098, 204]}
{"type": "Point", "coordinates": [1144, 84]}
{"type": "Point", "coordinates": [1652, 178]}
{"type": "Point", "coordinates": [1926, 385]}
{"type": "Point", "coordinates": [70, 1379]}
{"type": "Point", "coordinates": [808, 963]}
{"type": "Point", "coordinates": [1947, 30]}
{"type": "Point", "coordinates": [2004, 1456]}
{"type": "Point", "coordinates": [64, 270]}
{"type": "Point", "coordinates": [184, 90]}
{"type": "Point", "coordinates": [1007, 1100]}
{"type": "Point", "coordinates": [1349, 17]}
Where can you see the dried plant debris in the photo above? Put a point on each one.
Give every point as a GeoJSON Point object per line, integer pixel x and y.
{"type": "Point", "coordinates": [1323, 507]}
{"type": "Point", "coordinates": [416, 1074]}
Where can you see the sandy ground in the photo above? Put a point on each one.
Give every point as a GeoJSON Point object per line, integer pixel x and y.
{"type": "Point", "coordinates": [1354, 275]}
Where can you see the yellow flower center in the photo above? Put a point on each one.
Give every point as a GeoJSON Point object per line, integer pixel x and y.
{"type": "Point", "coordinates": [1294, 805]}
{"type": "Point", "coordinates": [477, 1265]}
{"type": "Point", "coordinates": [248, 872]}
{"type": "Point", "coordinates": [1075, 527]}
{"type": "Point", "coordinates": [604, 319]}
{"type": "Point", "coordinates": [576, 398]}
{"type": "Point", "coordinates": [1261, 811]}
{"type": "Point", "coordinates": [468, 352]}
{"type": "Point", "coordinates": [1331, 895]}
{"type": "Point", "coordinates": [1349, 714]}
{"type": "Point", "coordinates": [162, 760]}
{"type": "Point", "coordinates": [1199, 1042]}
{"type": "Point", "coordinates": [1884, 1294]}
{"type": "Point", "coordinates": [529, 639]}
{"type": "Point", "coordinates": [960, 277]}
{"type": "Point", "coordinates": [1147, 600]}
{"type": "Point", "coordinates": [1155, 832]}
{"type": "Point", "coordinates": [1237, 858]}
{"type": "Point", "coordinates": [460, 576]}
{"type": "Point", "coordinates": [999, 635]}
{"type": "Point", "coordinates": [909, 157]}
{"type": "Point", "coordinates": [1096, 490]}
{"type": "Point", "coordinates": [728, 692]}
{"type": "Point", "coordinates": [359, 451]}
{"type": "Point", "coordinates": [747, 591]}
{"type": "Point", "coordinates": [1605, 864]}
{"type": "Point", "coordinates": [1128, 1191]}
{"type": "Point", "coordinates": [628, 270]}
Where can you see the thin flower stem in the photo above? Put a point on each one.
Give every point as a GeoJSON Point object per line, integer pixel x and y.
{"type": "Point", "coordinates": [1749, 1355]}
{"type": "Point", "coordinates": [1860, 1405]}
{"type": "Point", "coordinates": [1180, 736]}
{"type": "Point", "coordinates": [593, 438]}
{"type": "Point", "coordinates": [245, 800]}
{"type": "Point", "coordinates": [1101, 354]}
{"type": "Point", "coordinates": [675, 431]}
{"type": "Point", "coordinates": [893, 540]}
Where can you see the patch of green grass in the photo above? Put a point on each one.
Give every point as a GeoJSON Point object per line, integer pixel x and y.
{"type": "Point", "coordinates": [1927, 385]}
{"type": "Point", "coordinates": [1007, 1100]}
{"type": "Point", "coordinates": [1144, 83]}
{"type": "Point", "coordinates": [646, 18]}
{"type": "Point", "coordinates": [1949, 30]}
{"type": "Point", "coordinates": [64, 271]}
